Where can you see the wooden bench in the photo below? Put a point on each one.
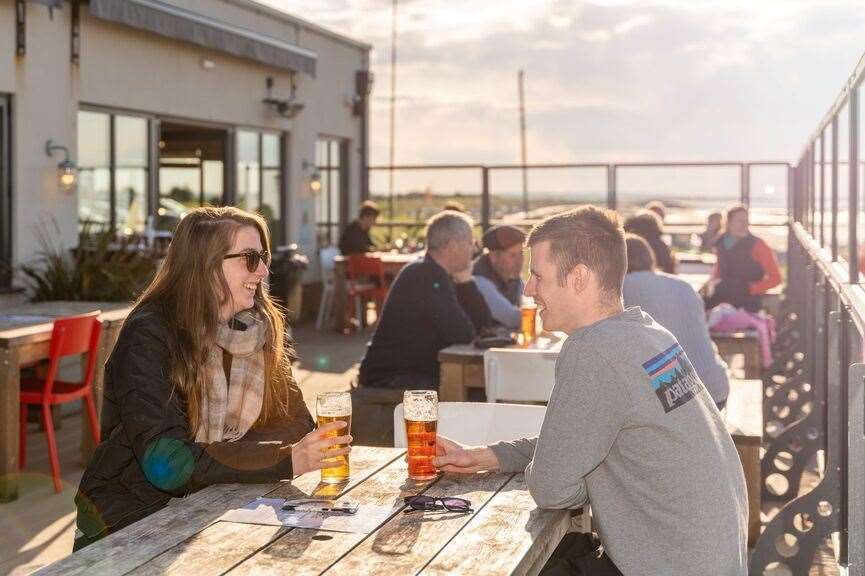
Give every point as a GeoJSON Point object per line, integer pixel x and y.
{"type": "Point", "coordinates": [744, 419]}
{"type": "Point", "coordinates": [745, 343]}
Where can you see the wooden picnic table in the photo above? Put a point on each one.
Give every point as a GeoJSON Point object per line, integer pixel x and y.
{"type": "Point", "coordinates": [505, 533]}
{"type": "Point", "coordinates": [461, 366]}
{"type": "Point", "coordinates": [25, 335]}
{"type": "Point", "coordinates": [393, 262]}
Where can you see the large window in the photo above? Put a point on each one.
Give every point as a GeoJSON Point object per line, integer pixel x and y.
{"type": "Point", "coordinates": [5, 195]}
{"type": "Point", "coordinates": [259, 177]}
{"type": "Point", "coordinates": [113, 171]}
{"type": "Point", "coordinates": [330, 205]}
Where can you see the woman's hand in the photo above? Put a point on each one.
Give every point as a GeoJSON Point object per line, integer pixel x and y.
{"type": "Point", "coordinates": [313, 451]}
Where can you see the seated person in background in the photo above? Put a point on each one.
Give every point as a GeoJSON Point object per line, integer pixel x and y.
{"type": "Point", "coordinates": [629, 428]}
{"type": "Point", "coordinates": [355, 238]}
{"type": "Point", "coordinates": [674, 305]}
{"type": "Point", "coordinates": [712, 232]}
{"type": "Point", "coordinates": [497, 273]}
{"type": "Point", "coordinates": [432, 304]}
{"type": "Point", "coordinates": [456, 206]}
{"type": "Point", "coordinates": [746, 266]}
{"type": "Point", "coordinates": [648, 224]}
{"type": "Point", "coordinates": [658, 208]}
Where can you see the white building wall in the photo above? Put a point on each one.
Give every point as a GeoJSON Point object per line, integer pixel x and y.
{"type": "Point", "coordinates": [129, 70]}
{"type": "Point", "coordinates": [44, 105]}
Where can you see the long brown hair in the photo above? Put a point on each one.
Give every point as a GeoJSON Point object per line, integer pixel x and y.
{"type": "Point", "coordinates": [190, 299]}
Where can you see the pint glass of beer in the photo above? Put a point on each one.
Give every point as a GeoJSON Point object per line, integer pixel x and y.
{"type": "Point", "coordinates": [330, 407]}
{"type": "Point", "coordinates": [528, 328]}
{"type": "Point", "coordinates": [421, 409]}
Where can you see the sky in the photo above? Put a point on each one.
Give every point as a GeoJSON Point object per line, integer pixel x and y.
{"type": "Point", "coordinates": [611, 80]}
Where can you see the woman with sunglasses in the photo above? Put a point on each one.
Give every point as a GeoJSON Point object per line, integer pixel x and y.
{"type": "Point", "coordinates": [199, 388]}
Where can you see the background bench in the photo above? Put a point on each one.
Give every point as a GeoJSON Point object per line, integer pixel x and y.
{"type": "Point", "coordinates": [744, 419]}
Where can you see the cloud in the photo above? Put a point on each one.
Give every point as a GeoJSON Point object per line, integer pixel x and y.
{"type": "Point", "coordinates": [606, 79]}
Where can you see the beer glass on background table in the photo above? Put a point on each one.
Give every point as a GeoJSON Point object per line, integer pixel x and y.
{"type": "Point", "coordinates": [330, 407]}
{"type": "Point", "coordinates": [421, 408]}
{"type": "Point", "coordinates": [528, 325]}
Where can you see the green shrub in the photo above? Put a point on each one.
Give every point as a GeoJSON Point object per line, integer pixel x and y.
{"type": "Point", "coordinates": [102, 268]}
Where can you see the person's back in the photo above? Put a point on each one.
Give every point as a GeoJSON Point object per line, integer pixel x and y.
{"type": "Point", "coordinates": [412, 328]}
{"type": "Point", "coordinates": [673, 303]}
{"type": "Point", "coordinates": [671, 464]}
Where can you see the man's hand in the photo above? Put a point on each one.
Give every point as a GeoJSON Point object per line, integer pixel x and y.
{"type": "Point", "coordinates": [452, 457]}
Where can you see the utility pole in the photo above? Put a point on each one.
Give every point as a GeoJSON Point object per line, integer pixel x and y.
{"type": "Point", "coordinates": [520, 80]}
{"type": "Point", "coordinates": [392, 111]}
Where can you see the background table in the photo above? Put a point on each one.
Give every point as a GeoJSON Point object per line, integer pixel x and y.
{"type": "Point", "coordinates": [393, 263]}
{"type": "Point", "coordinates": [25, 335]}
{"type": "Point", "coordinates": [461, 366]}
{"type": "Point", "coordinates": [506, 533]}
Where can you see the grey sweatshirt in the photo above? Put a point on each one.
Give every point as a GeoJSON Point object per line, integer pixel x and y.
{"type": "Point", "coordinates": [631, 430]}
{"type": "Point", "coordinates": [674, 305]}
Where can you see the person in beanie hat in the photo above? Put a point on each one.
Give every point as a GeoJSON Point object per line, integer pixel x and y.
{"type": "Point", "coordinates": [497, 273]}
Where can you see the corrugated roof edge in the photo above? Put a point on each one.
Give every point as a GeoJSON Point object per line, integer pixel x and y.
{"type": "Point", "coordinates": [271, 11]}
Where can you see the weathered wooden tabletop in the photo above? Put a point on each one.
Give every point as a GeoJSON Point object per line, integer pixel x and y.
{"type": "Point", "coordinates": [506, 533]}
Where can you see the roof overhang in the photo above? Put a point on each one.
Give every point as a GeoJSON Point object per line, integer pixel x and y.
{"type": "Point", "coordinates": [177, 23]}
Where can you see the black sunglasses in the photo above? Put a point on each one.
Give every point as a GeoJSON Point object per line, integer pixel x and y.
{"type": "Point", "coordinates": [423, 502]}
{"type": "Point", "coordinates": [252, 258]}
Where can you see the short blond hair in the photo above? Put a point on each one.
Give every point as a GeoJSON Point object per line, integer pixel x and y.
{"type": "Point", "coordinates": [590, 236]}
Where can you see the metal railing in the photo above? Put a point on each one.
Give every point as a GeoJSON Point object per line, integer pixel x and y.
{"type": "Point", "coordinates": [815, 395]}
{"type": "Point", "coordinates": [595, 183]}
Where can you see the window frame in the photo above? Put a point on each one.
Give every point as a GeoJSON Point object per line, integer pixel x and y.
{"type": "Point", "coordinates": [326, 170]}
{"type": "Point", "coordinates": [150, 208]}
{"type": "Point", "coordinates": [276, 236]}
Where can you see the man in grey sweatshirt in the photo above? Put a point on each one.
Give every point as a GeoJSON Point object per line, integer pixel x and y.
{"type": "Point", "coordinates": [630, 428]}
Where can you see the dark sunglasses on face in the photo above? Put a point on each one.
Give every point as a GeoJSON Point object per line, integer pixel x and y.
{"type": "Point", "coordinates": [423, 502]}
{"type": "Point", "coordinates": [253, 258]}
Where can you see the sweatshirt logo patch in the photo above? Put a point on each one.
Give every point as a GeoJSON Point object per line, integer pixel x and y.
{"type": "Point", "coordinates": [673, 378]}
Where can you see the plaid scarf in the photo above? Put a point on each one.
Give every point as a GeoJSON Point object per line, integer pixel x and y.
{"type": "Point", "coordinates": [228, 412]}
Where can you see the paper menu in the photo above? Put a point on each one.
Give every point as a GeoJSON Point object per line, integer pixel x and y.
{"type": "Point", "coordinates": [268, 511]}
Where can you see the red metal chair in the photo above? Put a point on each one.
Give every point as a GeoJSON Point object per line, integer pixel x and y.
{"type": "Point", "coordinates": [71, 336]}
{"type": "Point", "coordinates": [366, 281]}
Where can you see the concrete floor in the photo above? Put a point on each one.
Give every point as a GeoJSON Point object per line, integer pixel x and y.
{"type": "Point", "coordinates": [39, 527]}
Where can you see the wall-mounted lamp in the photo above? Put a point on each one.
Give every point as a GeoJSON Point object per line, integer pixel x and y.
{"type": "Point", "coordinates": [314, 178]}
{"type": "Point", "coordinates": [67, 171]}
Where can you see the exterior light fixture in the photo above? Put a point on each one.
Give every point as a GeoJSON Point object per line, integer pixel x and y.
{"type": "Point", "coordinates": [315, 181]}
{"type": "Point", "coordinates": [67, 171]}
{"type": "Point", "coordinates": [285, 107]}
{"type": "Point", "coordinates": [314, 178]}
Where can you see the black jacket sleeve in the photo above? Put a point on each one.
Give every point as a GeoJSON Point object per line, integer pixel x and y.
{"type": "Point", "coordinates": [154, 421]}
{"type": "Point", "coordinates": [455, 309]}
{"type": "Point", "coordinates": [473, 303]}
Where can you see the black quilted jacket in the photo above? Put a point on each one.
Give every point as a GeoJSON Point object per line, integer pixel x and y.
{"type": "Point", "coordinates": [147, 456]}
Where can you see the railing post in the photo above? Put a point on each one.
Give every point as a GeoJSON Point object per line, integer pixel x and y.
{"type": "Point", "coordinates": [611, 186]}
{"type": "Point", "coordinates": [853, 171]}
{"type": "Point", "coordinates": [834, 172]}
{"type": "Point", "coordinates": [822, 187]}
{"type": "Point", "coordinates": [812, 195]}
{"type": "Point", "coordinates": [485, 198]}
{"type": "Point", "coordinates": [745, 184]}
